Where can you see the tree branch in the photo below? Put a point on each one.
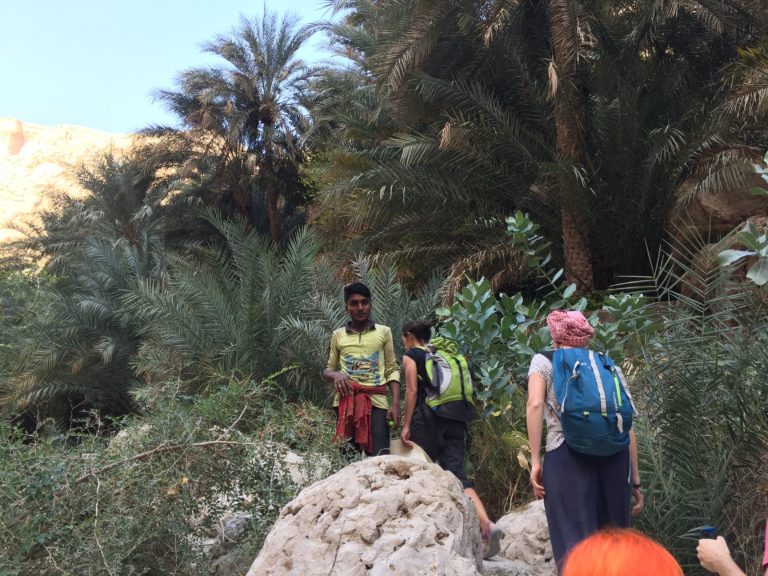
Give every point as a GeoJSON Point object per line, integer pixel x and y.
{"type": "Point", "coordinates": [161, 450]}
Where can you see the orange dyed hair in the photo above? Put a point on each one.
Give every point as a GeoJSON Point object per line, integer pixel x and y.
{"type": "Point", "coordinates": [620, 552]}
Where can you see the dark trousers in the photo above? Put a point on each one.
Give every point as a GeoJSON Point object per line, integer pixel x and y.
{"type": "Point", "coordinates": [443, 440]}
{"type": "Point", "coordinates": [583, 494]}
{"type": "Point", "coordinates": [379, 433]}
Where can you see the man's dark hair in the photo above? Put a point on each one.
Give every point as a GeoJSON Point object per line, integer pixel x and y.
{"type": "Point", "coordinates": [356, 288]}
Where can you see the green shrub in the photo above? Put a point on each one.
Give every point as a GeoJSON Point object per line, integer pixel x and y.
{"type": "Point", "coordinates": [500, 334]}
{"type": "Point", "coordinates": [25, 298]}
{"type": "Point", "coordinates": [497, 462]}
{"type": "Point", "coordinates": [149, 500]}
{"type": "Point", "coordinates": [702, 390]}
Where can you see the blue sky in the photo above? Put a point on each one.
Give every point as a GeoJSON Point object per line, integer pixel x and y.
{"type": "Point", "coordinates": [96, 62]}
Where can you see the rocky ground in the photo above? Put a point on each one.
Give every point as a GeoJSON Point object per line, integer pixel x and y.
{"type": "Point", "coordinates": [392, 515]}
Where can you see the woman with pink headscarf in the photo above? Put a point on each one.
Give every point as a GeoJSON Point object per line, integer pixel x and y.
{"type": "Point", "coordinates": [582, 493]}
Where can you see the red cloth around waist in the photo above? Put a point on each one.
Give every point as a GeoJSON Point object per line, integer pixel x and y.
{"type": "Point", "coordinates": [354, 419]}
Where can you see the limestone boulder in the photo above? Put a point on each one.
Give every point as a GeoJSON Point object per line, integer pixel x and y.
{"type": "Point", "coordinates": [708, 212]}
{"type": "Point", "coordinates": [385, 515]}
{"type": "Point", "coordinates": [525, 543]}
{"type": "Point", "coordinates": [502, 567]}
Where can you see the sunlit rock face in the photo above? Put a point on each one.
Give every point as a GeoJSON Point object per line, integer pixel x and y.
{"type": "Point", "coordinates": [381, 516]}
{"type": "Point", "coordinates": [37, 161]}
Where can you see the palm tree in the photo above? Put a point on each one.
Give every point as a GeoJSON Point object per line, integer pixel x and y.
{"type": "Point", "coordinates": [701, 389]}
{"type": "Point", "coordinates": [245, 117]}
{"type": "Point", "coordinates": [219, 312]}
{"type": "Point", "coordinates": [99, 247]}
{"type": "Point", "coordinates": [587, 114]}
{"type": "Point", "coordinates": [570, 119]}
{"type": "Point", "coordinates": [408, 177]}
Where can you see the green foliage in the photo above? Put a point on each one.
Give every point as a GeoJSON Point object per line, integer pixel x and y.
{"type": "Point", "coordinates": [762, 170]}
{"type": "Point", "coordinates": [24, 298]}
{"type": "Point", "coordinates": [499, 334]}
{"type": "Point", "coordinates": [219, 314]}
{"type": "Point", "coordinates": [756, 245]}
{"type": "Point", "coordinates": [150, 500]}
{"type": "Point", "coordinates": [100, 247]}
{"type": "Point", "coordinates": [444, 122]}
{"type": "Point", "coordinates": [699, 385]}
{"type": "Point", "coordinates": [243, 119]}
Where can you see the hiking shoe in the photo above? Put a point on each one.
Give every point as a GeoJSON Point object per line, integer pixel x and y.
{"type": "Point", "coordinates": [491, 541]}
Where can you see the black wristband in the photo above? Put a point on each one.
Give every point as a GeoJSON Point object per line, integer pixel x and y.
{"type": "Point", "coordinates": [638, 485]}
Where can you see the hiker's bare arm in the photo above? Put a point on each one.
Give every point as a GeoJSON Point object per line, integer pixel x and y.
{"type": "Point", "coordinates": [394, 411]}
{"type": "Point", "coordinates": [534, 418]}
{"type": "Point", "coordinates": [340, 381]}
{"type": "Point", "coordinates": [637, 493]}
{"type": "Point", "coordinates": [392, 377]}
{"type": "Point", "coordinates": [411, 394]}
{"type": "Point", "coordinates": [391, 369]}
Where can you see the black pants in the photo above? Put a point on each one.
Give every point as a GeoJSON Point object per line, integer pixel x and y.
{"type": "Point", "coordinates": [379, 433]}
{"type": "Point", "coordinates": [443, 440]}
{"type": "Point", "coordinates": [583, 494]}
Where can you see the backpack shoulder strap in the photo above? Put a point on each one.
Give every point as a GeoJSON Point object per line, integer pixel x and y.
{"type": "Point", "coordinates": [460, 368]}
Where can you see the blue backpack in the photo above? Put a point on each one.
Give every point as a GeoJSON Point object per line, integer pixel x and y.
{"type": "Point", "coordinates": [596, 409]}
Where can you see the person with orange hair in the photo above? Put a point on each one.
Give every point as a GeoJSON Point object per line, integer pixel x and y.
{"type": "Point", "coordinates": [620, 552]}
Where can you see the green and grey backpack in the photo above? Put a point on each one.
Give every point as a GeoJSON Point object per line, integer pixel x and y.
{"type": "Point", "coordinates": [450, 394]}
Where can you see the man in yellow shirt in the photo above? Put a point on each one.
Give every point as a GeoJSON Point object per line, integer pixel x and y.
{"type": "Point", "coordinates": [362, 357]}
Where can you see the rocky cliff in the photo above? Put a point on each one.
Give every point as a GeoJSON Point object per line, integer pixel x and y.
{"type": "Point", "coordinates": [36, 161]}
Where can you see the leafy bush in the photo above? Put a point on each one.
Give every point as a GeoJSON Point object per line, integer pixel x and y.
{"type": "Point", "coordinates": [25, 297]}
{"type": "Point", "coordinates": [218, 314]}
{"type": "Point", "coordinates": [756, 244]}
{"type": "Point", "coordinates": [149, 501]}
{"type": "Point", "coordinates": [701, 388]}
{"type": "Point", "coordinates": [99, 246]}
{"type": "Point", "coordinates": [500, 334]}
{"type": "Point", "coordinates": [82, 349]}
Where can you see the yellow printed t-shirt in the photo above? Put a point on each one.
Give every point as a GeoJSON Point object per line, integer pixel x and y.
{"type": "Point", "coordinates": [367, 357]}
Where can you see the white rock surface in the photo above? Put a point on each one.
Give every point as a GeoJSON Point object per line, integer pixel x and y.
{"type": "Point", "coordinates": [503, 567]}
{"type": "Point", "coordinates": [380, 516]}
{"type": "Point", "coordinates": [526, 542]}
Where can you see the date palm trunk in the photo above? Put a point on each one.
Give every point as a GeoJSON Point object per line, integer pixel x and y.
{"type": "Point", "coordinates": [273, 211]}
{"type": "Point", "coordinates": [570, 116]}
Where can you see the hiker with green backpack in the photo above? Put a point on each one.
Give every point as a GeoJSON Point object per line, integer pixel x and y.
{"type": "Point", "coordinates": [590, 473]}
{"type": "Point", "coordinates": [438, 405]}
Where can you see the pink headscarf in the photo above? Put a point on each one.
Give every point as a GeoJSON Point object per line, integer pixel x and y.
{"type": "Point", "coordinates": [569, 328]}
